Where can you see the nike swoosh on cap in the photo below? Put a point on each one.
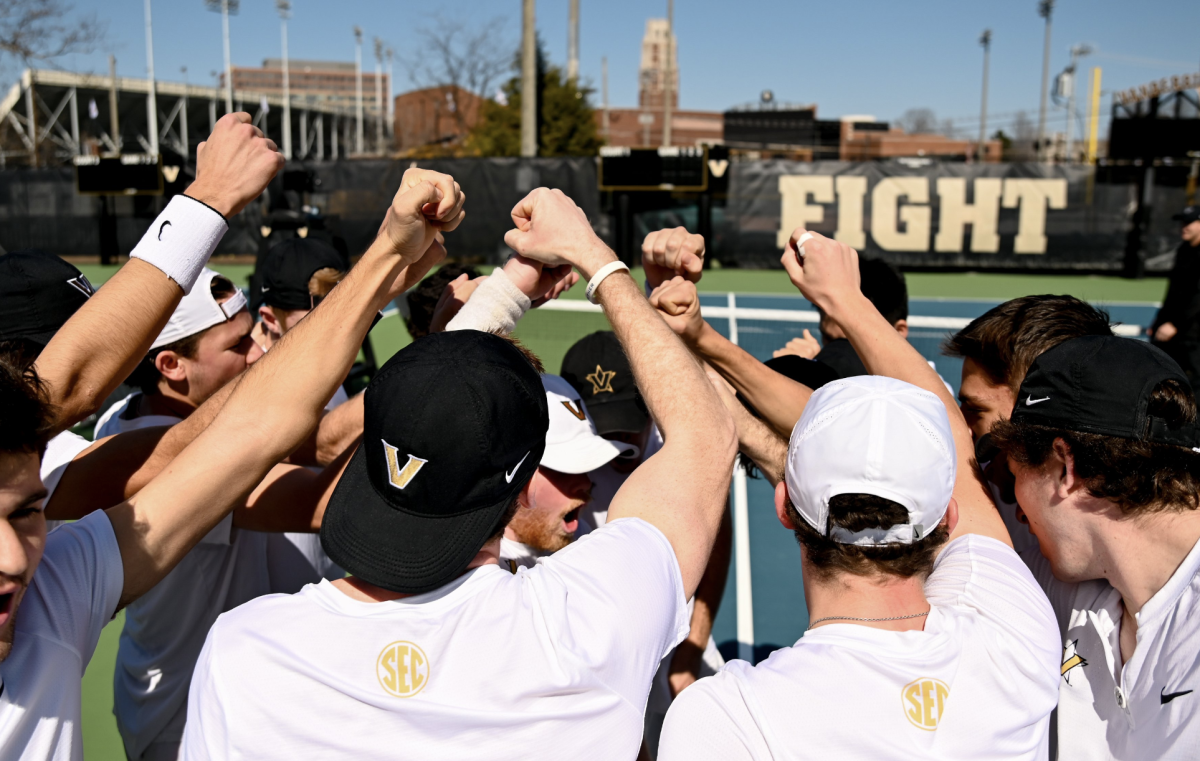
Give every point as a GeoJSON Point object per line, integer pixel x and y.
{"type": "Point", "coordinates": [1167, 697]}
{"type": "Point", "coordinates": [508, 477]}
{"type": "Point", "coordinates": [1030, 401]}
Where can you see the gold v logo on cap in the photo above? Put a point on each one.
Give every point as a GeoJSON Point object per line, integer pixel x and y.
{"type": "Point", "coordinates": [397, 476]}
{"type": "Point", "coordinates": [601, 380]}
{"type": "Point", "coordinates": [576, 409]}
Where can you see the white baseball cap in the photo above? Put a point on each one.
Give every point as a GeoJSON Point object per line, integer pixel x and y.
{"type": "Point", "coordinates": [572, 444]}
{"type": "Point", "coordinates": [872, 435]}
{"type": "Point", "coordinates": [198, 311]}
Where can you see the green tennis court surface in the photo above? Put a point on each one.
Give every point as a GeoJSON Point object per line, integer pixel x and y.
{"type": "Point", "coordinates": [779, 615]}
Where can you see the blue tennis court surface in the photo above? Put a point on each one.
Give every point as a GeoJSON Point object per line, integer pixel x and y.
{"type": "Point", "coordinates": [779, 614]}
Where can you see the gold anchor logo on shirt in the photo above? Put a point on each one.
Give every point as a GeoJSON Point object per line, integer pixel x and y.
{"type": "Point", "coordinates": [601, 380]}
{"type": "Point", "coordinates": [402, 669]}
{"type": "Point", "coordinates": [397, 476]}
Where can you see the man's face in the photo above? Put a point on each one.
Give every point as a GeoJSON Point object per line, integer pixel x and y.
{"type": "Point", "coordinates": [1191, 233]}
{"type": "Point", "coordinates": [22, 535]}
{"type": "Point", "coordinates": [549, 512]}
{"type": "Point", "coordinates": [1057, 516]}
{"type": "Point", "coordinates": [983, 402]}
{"type": "Point", "coordinates": [222, 353]}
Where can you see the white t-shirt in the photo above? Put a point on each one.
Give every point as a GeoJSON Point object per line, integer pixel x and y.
{"type": "Point", "coordinates": [979, 682]}
{"type": "Point", "coordinates": [1147, 707]}
{"type": "Point", "coordinates": [165, 628]}
{"type": "Point", "coordinates": [551, 662]}
{"type": "Point", "coordinates": [60, 451]}
{"type": "Point", "coordinates": [74, 593]}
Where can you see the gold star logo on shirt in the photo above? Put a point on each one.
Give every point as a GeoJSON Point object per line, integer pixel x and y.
{"type": "Point", "coordinates": [601, 380]}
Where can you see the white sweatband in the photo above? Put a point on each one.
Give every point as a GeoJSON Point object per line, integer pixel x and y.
{"type": "Point", "coordinates": [494, 307]}
{"type": "Point", "coordinates": [602, 273]}
{"type": "Point", "coordinates": [181, 240]}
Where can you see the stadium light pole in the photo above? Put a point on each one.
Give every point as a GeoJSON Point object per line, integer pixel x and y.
{"type": "Point", "coordinates": [1077, 52]}
{"type": "Point", "coordinates": [1045, 10]}
{"type": "Point", "coordinates": [358, 101]}
{"type": "Point", "coordinates": [528, 79]}
{"type": "Point", "coordinates": [669, 70]}
{"type": "Point", "coordinates": [225, 7]}
{"type": "Point", "coordinates": [391, 95]}
{"type": "Point", "coordinates": [604, 93]}
{"type": "Point", "coordinates": [379, 96]}
{"type": "Point", "coordinates": [985, 40]}
{"type": "Point", "coordinates": [152, 99]}
{"type": "Point", "coordinates": [285, 10]}
{"type": "Point", "coordinates": [573, 41]}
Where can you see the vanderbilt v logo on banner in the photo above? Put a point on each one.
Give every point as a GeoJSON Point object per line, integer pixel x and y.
{"type": "Point", "coordinates": [901, 215]}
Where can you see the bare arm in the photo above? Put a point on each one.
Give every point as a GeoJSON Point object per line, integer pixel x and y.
{"type": "Point", "coordinates": [683, 488]}
{"type": "Point", "coordinates": [689, 655]}
{"type": "Point", "coordinates": [281, 398]}
{"type": "Point", "coordinates": [338, 429]}
{"type": "Point", "coordinates": [292, 498]}
{"type": "Point", "coordinates": [98, 348]}
{"type": "Point", "coordinates": [828, 277]}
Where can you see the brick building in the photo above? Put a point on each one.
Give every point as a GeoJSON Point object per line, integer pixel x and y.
{"type": "Point", "coordinates": [329, 83]}
{"type": "Point", "coordinates": [435, 118]}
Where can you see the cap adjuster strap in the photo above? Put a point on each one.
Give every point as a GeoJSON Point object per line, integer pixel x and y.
{"type": "Point", "coordinates": [233, 304]}
{"type": "Point", "coordinates": [1186, 435]}
{"type": "Point", "coordinates": [901, 533]}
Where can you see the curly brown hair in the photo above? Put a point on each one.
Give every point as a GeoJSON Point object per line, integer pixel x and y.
{"type": "Point", "coordinates": [1138, 476]}
{"type": "Point", "coordinates": [855, 512]}
{"type": "Point", "coordinates": [24, 411]}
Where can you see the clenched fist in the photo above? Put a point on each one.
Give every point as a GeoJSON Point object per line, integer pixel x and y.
{"type": "Point", "coordinates": [427, 203]}
{"type": "Point", "coordinates": [552, 229]}
{"type": "Point", "coordinates": [667, 253]}
{"type": "Point", "coordinates": [678, 304]}
{"type": "Point", "coordinates": [234, 165]}
{"type": "Point", "coordinates": [827, 274]}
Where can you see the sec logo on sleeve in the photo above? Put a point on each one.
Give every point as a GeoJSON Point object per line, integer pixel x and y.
{"type": "Point", "coordinates": [403, 669]}
{"type": "Point", "coordinates": [924, 702]}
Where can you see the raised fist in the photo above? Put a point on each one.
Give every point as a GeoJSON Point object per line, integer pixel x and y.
{"type": "Point", "coordinates": [234, 165]}
{"type": "Point", "coordinates": [427, 203]}
{"type": "Point", "coordinates": [552, 229]}
{"type": "Point", "coordinates": [678, 304]}
{"type": "Point", "coordinates": [667, 253]}
{"type": "Point", "coordinates": [827, 272]}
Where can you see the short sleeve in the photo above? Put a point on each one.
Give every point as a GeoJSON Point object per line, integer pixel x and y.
{"type": "Point", "coordinates": [712, 720]}
{"type": "Point", "coordinates": [206, 732]}
{"type": "Point", "coordinates": [985, 575]}
{"type": "Point", "coordinates": [60, 452]}
{"type": "Point", "coordinates": [79, 583]}
{"type": "Point", "coordinates": [617, 597]}
{"type": "Point", "coordinates": [1060, 593]}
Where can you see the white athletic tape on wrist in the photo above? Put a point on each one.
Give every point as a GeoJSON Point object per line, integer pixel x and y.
{"type": "Point", "coordinates": [602, 273]}
{"type": "Point", "coordinates": [800, 243]}
{"type": "Point", "coordinates": [495, 306]}
{"type": "Point", "coordinates": [181, 240]}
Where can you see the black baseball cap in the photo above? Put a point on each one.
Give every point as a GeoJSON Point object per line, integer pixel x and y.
{"type": "Point", "coordinates": [1102, 385]}
{"type": "Point", "coordinates": [454, 426]}
{"type": "Point", "coordinates": [1188, 215]}
{"type": "Point", "coordinates": [39, 292]}
{"type": "Point", "coordinates": [596, 367]}
{"type": "Point", "coordinates": [290, 264]}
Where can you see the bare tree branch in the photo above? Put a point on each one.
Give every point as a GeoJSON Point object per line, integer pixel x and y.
{"type": "Point", "coordinates": [41, 30]}
{"type": "Point", "coordinates": [460, 58]}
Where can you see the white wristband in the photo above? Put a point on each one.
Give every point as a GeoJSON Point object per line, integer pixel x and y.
{"type": "Point", "coordinates": [602, 273]}
{"type": "Point", "coordinates": [182, 239]}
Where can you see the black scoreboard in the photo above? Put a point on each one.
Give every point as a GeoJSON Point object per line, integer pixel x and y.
{"type": "Point", "coordinates": [672, 169]}
{"type": "Point", "coordinates": [130, 175]}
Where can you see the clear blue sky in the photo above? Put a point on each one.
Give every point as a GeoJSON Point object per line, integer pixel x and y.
{"type": "Point", "coordinates": [854, 56]}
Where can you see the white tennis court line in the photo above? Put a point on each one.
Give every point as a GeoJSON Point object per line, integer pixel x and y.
{"type": "Point", "coordinates": [808, 316]}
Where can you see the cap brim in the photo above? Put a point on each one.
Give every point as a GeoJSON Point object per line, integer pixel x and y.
{"type": "Point", "coordinates": [398, 550]}
{"type": "Point", "coordinates": [624, 416]}
{"type": "Point", "coordinates": [582, 454]}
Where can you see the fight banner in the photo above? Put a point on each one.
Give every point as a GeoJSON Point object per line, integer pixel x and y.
{"type": "Point", "coordinates": [927, 214]}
